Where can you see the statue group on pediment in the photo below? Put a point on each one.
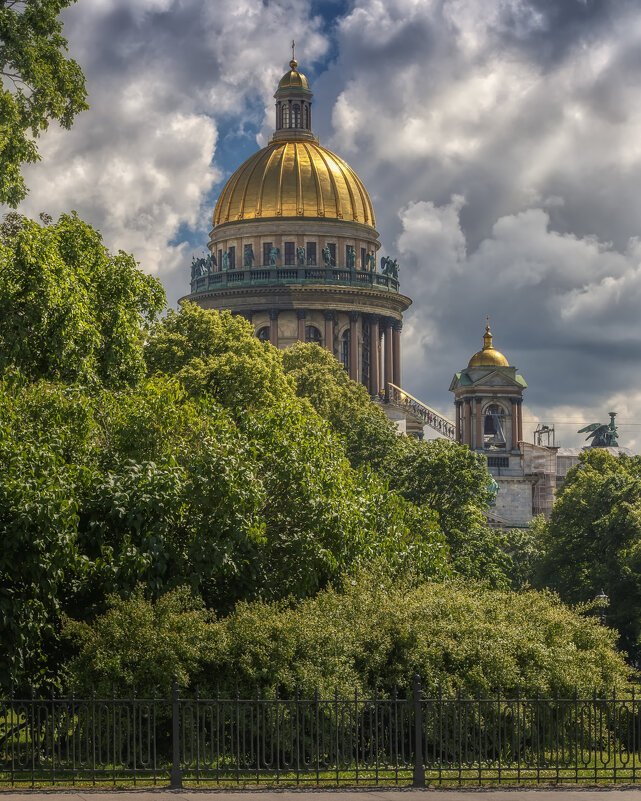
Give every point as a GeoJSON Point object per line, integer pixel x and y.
{"type": "Point", "coordinates": [202, 266]}
{"type": "Point", "coordinates": [389, 267]}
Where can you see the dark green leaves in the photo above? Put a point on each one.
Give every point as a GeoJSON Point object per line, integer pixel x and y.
{"type": "Point", "coordinates": [39, 84]}
{"type": "Point", "coordinates": [69, 309]}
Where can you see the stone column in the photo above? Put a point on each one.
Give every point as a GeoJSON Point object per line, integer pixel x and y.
{"type": "Point", "coordinates": [519, 406]}
{"type": "Point", "coordinates": [354, 350]}
{"type": "Point", "coordinates": [389, 359]}
{"type": "Point", "coordinates": [457, 420]}
{"type": "Point", "coordinates": [478, 439]}
{"type": "Point", "coordinates": [467, 434]}
{"type": "Point", "coordinates": [301, 314]}
{"type": "Point", "coordinates": [396, 348]}
{"type": "Point", "coordinates": [273, 327]}
{"type": "Point", "coordinates": [329, 331]}
{"type": "Point", "coordinates": [513, 445]}
{"type": "Point", "coordinates": [374, 356]}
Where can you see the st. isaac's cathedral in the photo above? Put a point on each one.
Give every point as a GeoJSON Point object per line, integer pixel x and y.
{"type": "Point", "coordinates": [294, 249]}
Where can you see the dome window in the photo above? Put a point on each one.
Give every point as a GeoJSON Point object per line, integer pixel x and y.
{"type": "Point", "coordinates": [285, 116]}
{"type": "Point", "coordinates": [312, 334]}
{"type": "Point", "coordinates": [345, 342]}
{"type": "Point", "coordinates": [296, 115]}
{"type": "Point", "coordinates": [263, 333]}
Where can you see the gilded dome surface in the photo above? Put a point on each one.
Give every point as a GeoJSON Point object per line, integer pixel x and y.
{"type": "Point", "coordinates": [293, 79]}
{"type": "Point", "coordinates": [291, 178]}
{"type": "Point", "coordinates": [488, 356]}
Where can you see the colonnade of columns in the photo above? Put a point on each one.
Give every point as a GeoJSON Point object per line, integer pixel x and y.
{"type": "Point", "coordinates": [373, 350]}
{"type": "Point", "coordinates": [469, 421]}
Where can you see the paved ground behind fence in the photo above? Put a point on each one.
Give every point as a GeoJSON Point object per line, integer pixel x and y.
{"type": "Point", "coordinates": [506, 794]}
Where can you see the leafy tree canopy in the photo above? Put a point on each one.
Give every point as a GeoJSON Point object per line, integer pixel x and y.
{"type": "Point", "coordinates": [101, 491]}
{"type": "Point", "coordinates": [39, 84]}
{"type": "Point", "coordinates": [593, 539]}
{"type": "Point", "coordinates": [369, 437]}
{"type": "Point", "coordinates": [373, 636]}
{"type": "Point", "coordinates": [454, 482]}
{"type": "Point", "coordinates": [216, 353]}
{"type": "Point", "coordinates": [69, 309]}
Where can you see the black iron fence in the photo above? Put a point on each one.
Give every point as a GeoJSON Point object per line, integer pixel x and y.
{"type": "Point", "coordinates": [342, 741]}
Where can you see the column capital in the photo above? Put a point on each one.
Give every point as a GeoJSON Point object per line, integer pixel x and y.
{"type": "Point", "coordinates": [273, 314]}
{"type": "Point", "coordinates": [301, 314]}
{"type": "Point", "coordinates": [329, 314]}
{"type": "Point", "coordinates": [374, 318]}
{"type": "Point", "coordinates": [397, 325]}
{"type": "Point", "coordinates": [353, 316]}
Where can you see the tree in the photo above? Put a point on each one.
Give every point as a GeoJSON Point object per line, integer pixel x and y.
{"type": "Point", "coordinates": [69, 309]}
{"type": "Point", "coordinates": [39, 84]}
{"type": "Point", "coordinates": [216, 353]}
{"type": "Point", "coordinates": [454, 482]}
{"type": "Point", "coordinates": [593, 540]}
{"type": "Point", "coordinates": [106, 489]}
{"type": "Point", "coordinates": [439, 475]}
{"type": "Point", "coordinates": [368, 435]}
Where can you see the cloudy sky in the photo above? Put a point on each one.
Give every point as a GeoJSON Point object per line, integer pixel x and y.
{"type": "Point", "coordinates": [500, 141]}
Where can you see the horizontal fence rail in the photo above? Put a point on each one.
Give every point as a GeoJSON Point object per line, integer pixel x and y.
{"type": "Point", "coordinates": [319, 741]}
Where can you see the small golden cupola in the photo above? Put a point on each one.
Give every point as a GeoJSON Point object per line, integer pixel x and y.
{"type": "Point", "coordinates": [293, 104]}
{"type": "Point", "coordinates": [488, 356]}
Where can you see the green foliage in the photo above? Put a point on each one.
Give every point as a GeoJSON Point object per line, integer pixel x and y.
{"type": "Point", "coordinates": [149, 485]}
{"type": "Point", "coordinates": [140, 644]}
{"type": "Point", "coordinates": [439, 475]}
{"type": "Point", "coordinates": [216, 353]}
{"type": "Point", "coordinates": [39, 84]}
{"type": "Point", "coordinates": [453, 481]}
{"type": "Point", "coordinates": [69, 309]}
{"type": "Point", "coordinates": [375, 636]}
{"type": "Point", "coordinates": [593, 539]}
{"type": "Point", "coordinates": [368, 435]}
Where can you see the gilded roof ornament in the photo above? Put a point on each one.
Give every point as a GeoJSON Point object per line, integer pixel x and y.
{"type": "Point", "coordinates": [488, 356]}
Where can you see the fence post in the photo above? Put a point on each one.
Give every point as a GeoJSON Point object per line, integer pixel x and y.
{"type": "Point", "coordinates": [419, 767]}
{"type": "Point", "coordinates": [176, 778]}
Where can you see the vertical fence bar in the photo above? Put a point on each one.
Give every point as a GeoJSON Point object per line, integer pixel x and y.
{"type": "Point", "coordinates": [633, 738]}
{"type": "Point", "coordinates": [419, 767]}
{"type": "Point", "coordinates": [176, 779]}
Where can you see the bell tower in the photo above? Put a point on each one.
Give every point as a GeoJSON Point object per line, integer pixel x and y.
{"type": "Point", "coordinates": [488, 397]}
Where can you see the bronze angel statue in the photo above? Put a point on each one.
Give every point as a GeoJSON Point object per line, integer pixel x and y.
{"type": "Point", "coordinates": [603, 435]}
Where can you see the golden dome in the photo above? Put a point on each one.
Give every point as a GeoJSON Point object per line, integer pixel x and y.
{"type": "Point", "coordinates": [488, 357]}
{"type": "Point", "coordinates": [294, 178]}
{"type": "Point", "coordinates": [293, 79]}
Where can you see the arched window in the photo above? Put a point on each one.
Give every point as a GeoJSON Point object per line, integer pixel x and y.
{"type": "Point", "coordinates": [494, 427]}
{"type": "Point", "coordinates": [285, 115]}
{"type": "Point", "coordinates": [263, 333]}
{"type": "Point", "coordinates": [296, 115]}
{"type": "Point", "coordinates": [312, 334]}
{"type": "Point", "coordinates": [306, 116]}
{"type": "Point", "coordinates": [345, 340]}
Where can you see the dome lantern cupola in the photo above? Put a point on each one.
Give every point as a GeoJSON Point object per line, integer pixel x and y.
{"type": "Point", "coordinates": [293, 104]}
